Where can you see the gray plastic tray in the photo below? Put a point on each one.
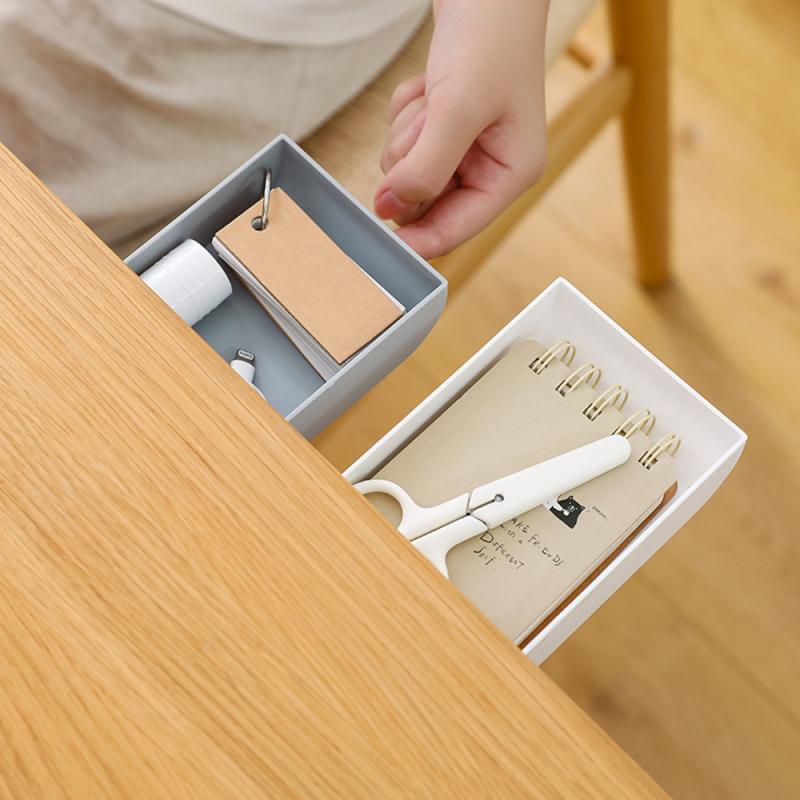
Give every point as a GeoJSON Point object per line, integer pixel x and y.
{"type": "Point", "coordinates": [287, 380]}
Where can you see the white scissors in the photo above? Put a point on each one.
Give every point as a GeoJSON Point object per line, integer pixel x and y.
{"type": "Point", "coordinates": [435, 530]}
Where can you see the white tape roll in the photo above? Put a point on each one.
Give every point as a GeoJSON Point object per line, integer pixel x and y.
{"type": "Point", "coordinates": [189, 280]}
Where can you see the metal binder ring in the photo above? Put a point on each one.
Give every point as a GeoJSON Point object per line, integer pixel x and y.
{"type": "Point", "coordinates": [615, 396]}
{"type": "Point", "coordinates": [669, 445]}
{"type": "Point", "coordinates": [586, 373]}
{"type": "Point", "coordinates": [260, 223]}
{"type": "Point", "coordinates": [564, 350]}
{"type": "Point", "coordinates": [643, 420]}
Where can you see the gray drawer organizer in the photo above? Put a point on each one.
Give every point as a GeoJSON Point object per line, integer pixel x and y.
{"type": "Point", "coordinates": [290, 384]}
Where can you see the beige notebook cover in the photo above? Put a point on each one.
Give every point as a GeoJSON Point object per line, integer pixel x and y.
{"type": "Point", "coordinates": [317, 283]}
{"type": "Point", "coordinates": [511, 418]}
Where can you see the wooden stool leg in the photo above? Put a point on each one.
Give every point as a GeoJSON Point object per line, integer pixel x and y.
{"type": "Point", "coordinates": [640, 39]}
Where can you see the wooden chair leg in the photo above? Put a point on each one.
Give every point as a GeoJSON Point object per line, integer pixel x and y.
{"type": "Point", "coordinates": [640, 41]}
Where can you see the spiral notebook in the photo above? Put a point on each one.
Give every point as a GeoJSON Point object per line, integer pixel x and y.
{"type": "Point", "coordinates": [533, 404]}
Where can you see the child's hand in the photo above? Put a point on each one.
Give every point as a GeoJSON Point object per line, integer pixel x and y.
{"type": "Point", "coordinates": [468, 136]}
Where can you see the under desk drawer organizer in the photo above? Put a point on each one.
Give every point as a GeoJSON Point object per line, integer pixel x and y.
{"type": "Point", "coordinates": [287, 380]}
{"type": "Point", "coordinates": [712, 444]}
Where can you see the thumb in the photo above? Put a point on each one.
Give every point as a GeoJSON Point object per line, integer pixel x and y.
{"type": "Point", "coordinates": [421, 176]}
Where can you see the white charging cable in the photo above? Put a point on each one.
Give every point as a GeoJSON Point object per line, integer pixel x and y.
{"type": "Point", "coordinates": [244, 363]}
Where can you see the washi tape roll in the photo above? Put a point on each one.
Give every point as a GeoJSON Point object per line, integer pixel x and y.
{"type": "Point", "coordinates": [189, 280]}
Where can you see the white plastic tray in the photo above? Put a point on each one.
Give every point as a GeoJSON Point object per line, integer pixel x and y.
{"type": "Point", "coordinates": [712, 444]}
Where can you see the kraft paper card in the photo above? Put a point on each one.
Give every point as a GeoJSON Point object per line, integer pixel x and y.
{"type": "Point", "coordinates": [316, 293]}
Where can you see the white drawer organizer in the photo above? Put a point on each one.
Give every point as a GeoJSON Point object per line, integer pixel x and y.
{"type": "Point", "coordinates": [712, 444]}
{"type": "Point", "coordinates": [286, 379]}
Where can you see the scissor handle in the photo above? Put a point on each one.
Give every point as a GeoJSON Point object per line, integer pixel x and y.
{"type": "Point", "coordinates": [416, 520]}
{"type": "Point", "coordinates": [536, 485]}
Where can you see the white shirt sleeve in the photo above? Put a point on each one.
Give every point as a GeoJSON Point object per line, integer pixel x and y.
{"type": "Point", "coordinates": [295, 22]}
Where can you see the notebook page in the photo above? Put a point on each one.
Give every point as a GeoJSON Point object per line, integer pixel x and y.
{"type": "Point", "coordinates": [509, 419]}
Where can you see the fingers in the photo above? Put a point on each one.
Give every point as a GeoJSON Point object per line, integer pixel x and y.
{"type": "Point", "coordinates": [488, 185]}
{"type": "Point", "coordinates": [405, 217]}
{"type": "Point", "coordinates": [449, 222]}
{"type": "Point", "coordinates": [405, 93]}
{"type": "Point", "coordinates": [387, 206]}
{"type": "Point", "coordinates": [457, 216]}
{"type": "Point", "coordinates": [421, 175]}
{"type": "Point", "coordinates": [402, 137]}
{"type": "Point", "coordinates": [406, 116]}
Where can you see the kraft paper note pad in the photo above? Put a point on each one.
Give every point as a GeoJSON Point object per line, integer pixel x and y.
{"type": "Point", "coordinates": [524, 570]}
{"type": "Point", "coordinates": [321, 299]}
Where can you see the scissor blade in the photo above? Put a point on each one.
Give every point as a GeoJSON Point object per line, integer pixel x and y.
{"type": "Point", "coordinates": [437, 544]}
{"type": "Point", "coordinates": [500, 500]}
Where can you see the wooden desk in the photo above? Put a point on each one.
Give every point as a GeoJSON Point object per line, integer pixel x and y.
{"type": "Point", "coordinates": [193, 602]}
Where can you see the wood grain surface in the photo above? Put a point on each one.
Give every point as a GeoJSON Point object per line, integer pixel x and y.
{"type": "Point", "coordinates": [193, 602]}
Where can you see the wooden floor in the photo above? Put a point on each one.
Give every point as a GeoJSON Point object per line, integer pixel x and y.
{"type": "Point", "coordinates": [694, 665]}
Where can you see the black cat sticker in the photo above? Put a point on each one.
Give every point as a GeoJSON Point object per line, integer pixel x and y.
{"type": "Point", "coordinates": [567, 511]}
